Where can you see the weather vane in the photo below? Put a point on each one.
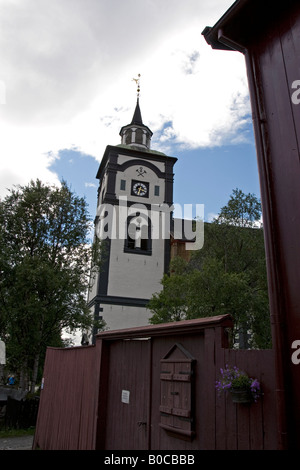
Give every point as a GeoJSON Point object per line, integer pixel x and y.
{"type": "Point", "coordinates": [137, 81]}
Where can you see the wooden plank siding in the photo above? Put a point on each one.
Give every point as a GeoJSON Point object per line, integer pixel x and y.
{"type": "Point", "coordinates": [243, 426]}
{"type": "Point", "coordinates": [109, 396]}
{"type": "Point", "coordinates": [67, 404]}
{"type": "Point", "coordinates": [268, 34]}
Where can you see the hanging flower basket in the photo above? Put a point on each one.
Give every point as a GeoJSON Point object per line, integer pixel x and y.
{"type": "Point", "coordinates": [240, 395]}
{"type": "Point", "coordinates": [243, 389]}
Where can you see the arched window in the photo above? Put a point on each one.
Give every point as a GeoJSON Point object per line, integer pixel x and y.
{"type": "Point", "coordinates": [138, 234]}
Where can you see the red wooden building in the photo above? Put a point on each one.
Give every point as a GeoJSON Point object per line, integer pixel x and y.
{"type": "Point", "coordinates": [268, 34]}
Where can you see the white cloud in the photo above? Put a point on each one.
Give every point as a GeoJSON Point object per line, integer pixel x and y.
{"type": "Point", "coordinates": [67, 69]}
{"type": "Point", "coordinates": [211, 216]}
{"type": "Point", "coordinates": [204, 92]}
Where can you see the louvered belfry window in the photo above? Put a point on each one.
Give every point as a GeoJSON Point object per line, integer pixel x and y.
{"type": "Point", "coordinates": [139, 136]}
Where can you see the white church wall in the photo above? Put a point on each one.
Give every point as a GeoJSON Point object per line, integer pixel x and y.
{"type": "Point", "coordinates": [135, 275]}
{"type": "Point", "coordinates": [119, 316]}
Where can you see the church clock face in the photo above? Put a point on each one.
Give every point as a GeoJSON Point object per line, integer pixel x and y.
{"type": "Point", "coordinates": [139, 189]}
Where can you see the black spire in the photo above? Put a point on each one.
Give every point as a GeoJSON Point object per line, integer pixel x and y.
{"type": "Point", "coordinates": [137, 117]}
{"type": "Point", "coordinates": [136, 134]}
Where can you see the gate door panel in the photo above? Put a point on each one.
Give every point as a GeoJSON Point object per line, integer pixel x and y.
{"type": "Point", "coordinates": [128, 400]}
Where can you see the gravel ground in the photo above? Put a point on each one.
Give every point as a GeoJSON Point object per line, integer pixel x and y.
{"type": "Point", "coordinates": [16, 443]}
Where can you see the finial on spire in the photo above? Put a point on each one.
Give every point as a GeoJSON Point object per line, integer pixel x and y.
{"type": "Point", "coordinates": [137, 81]}
{"type": "Point", "coordinates": [136, 134]}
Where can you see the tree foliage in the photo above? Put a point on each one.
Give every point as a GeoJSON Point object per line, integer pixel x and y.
{"type": "Point", "coordinates": [242, 210]}
{"type": "Point", "coordinates": [227, 276]}
{"type": "Point", "coordinates": [44, 264]}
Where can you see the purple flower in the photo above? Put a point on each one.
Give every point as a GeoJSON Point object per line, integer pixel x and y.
{"type": "Point", "coordinates": [233, 376]}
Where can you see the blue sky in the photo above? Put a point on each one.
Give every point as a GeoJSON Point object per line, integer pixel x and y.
{"type": "Point", "coordinates": [201, 176]}
{"type": "Point", "coordinates": [67, 88]}
{"type": "Point", "coordinates": [208, 176]}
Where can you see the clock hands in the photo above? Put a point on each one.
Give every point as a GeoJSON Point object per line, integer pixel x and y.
{"type": "Point", "coordinates": [139, 189]}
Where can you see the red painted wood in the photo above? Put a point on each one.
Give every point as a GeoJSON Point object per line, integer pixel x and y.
{"type": "Point", "coordinates": [81, 404]}
{"type": "Point", "coordinates": [268, 33]}
{"type": "Point", "coordinates": [127, 421]}
{"type": "Point", "coordinates": [281, 158]}
{"type": "Point", "coordinates": [67, 409]}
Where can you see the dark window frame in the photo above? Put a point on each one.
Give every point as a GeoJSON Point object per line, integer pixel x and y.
{"type": "Point", "coordinates": [146, 243]}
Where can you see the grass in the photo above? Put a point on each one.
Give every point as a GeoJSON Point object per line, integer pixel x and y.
{"type": "Point", "coordinates": [5, 433]}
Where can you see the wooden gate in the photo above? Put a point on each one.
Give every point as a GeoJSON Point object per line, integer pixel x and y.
{"type": "Point", "coordinates": [153, 388]}
{"type": "Point", "coordinates": [128, 395]}
{"type": "Point", "coordinates": [159, 393]}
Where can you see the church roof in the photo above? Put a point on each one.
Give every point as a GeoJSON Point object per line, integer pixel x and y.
{"type": "Point", "coordinates": [130, 147]}
{"type": "Point", "coordinates": [136, 121]}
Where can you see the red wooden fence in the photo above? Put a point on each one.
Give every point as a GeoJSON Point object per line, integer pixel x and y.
{"type": "Point", "coordinates": [116, 395]}
{"type": "Point", "coordinates": [67, 405]}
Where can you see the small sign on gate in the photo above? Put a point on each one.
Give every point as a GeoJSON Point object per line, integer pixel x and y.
{"type": "Point", "coordinates": [125, 396]}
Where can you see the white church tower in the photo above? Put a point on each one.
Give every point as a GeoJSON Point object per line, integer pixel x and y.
{"type": "Point", "coordinates": [135, 197]}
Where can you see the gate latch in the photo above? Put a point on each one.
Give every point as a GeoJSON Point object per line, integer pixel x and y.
{"type": "Point", "coordinates": [141, 423]}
